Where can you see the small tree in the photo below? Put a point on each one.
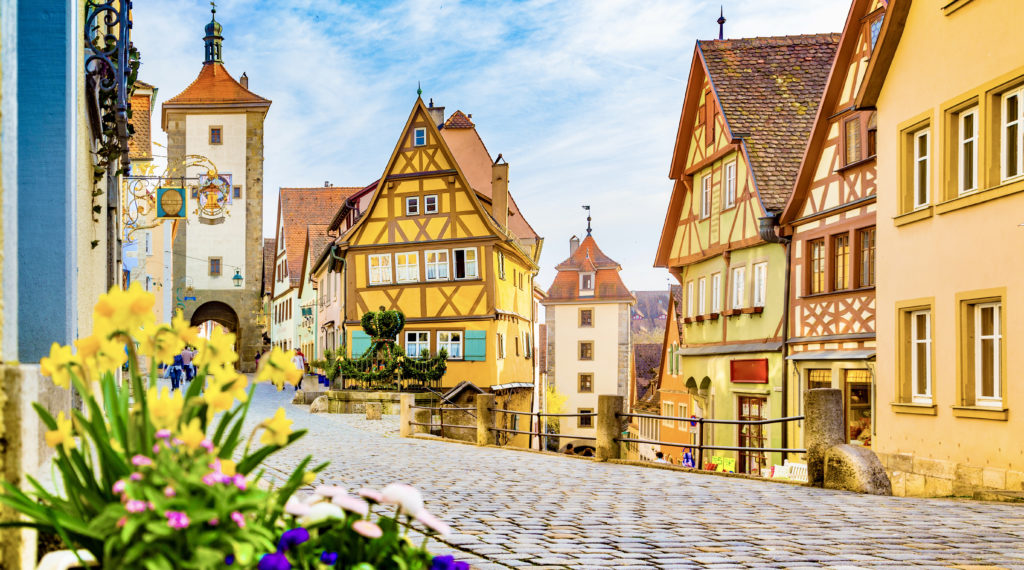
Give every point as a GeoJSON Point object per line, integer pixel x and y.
{"type": "Point", "coordinates": [330, 365]}
{"type": "Point", "coordinates": [383, 364]}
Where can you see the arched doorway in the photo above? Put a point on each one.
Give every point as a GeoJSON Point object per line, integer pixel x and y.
{"type": "Point", "coordinates": [218, 313]}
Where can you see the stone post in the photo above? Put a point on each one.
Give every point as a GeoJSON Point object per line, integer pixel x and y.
{"type": "Point", "coordinates": [608, 426]}
{"type": "Point", "coordinates": [823, 408]}
{"type": "Point", "coordinates": [405, 414]}
{"type": "Point", "coordinates": [422, 417]}
{"type": "Point", "coordinates": [485, 419]}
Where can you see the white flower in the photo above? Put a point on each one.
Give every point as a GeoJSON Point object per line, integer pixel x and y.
{"type": "Point", "coordinates": [313, 499]}
{"type": "Point", "coordinates": [330, 491]}
{"type": "Point", "coordinates": [321, 512]}
{"type": "Point", "coordinates": [433, 523]}
{"type": "Point", "coordinates": [407, 498]}
{"type": "Point", "coordinates": [296, 508]}
{"type": "Point", "coordinates": [352, 504]}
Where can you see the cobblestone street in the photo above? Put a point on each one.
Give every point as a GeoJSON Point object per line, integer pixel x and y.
{"type": "Point", "coordinates": [520, 509]}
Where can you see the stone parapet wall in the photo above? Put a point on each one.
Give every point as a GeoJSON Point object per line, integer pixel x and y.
{"type": "Point", "coordinates": [352, 402]}
{"type": "Point", "coordinates": [914, 476]}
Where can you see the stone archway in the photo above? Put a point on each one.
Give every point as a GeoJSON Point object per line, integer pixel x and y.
{"type": "Point", "coordinates": [218, 312]}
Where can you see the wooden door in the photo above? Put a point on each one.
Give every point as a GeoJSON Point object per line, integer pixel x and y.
{"type": "Point", "coordinates": [751, 408]}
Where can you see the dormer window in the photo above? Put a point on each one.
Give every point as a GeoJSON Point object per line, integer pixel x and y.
{"type": "Point", "coordinates": [419, 137]}
{"type": "Point", "coordinates": [586, 283]}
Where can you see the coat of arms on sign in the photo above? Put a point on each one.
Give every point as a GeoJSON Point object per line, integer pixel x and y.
{"type": "Point", "coordinates": [213, 196]}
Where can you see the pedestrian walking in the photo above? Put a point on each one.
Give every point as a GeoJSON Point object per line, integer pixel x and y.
{"type": "Point", "coordinates": [175, 373]}
{"type": "Point", "coordinates": [300, 362]}
{"type": "Point", "coordinates": [688, 459]}
{"type": "Point", "coordinates": [186, 362]}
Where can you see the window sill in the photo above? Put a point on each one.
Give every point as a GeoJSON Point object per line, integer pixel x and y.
{"type": "Point", "coordinates": [981, 412]}
{"type": "Point", "coordinates": [980, 196]}
{"type": "Point", "coordinates": [854, 164]}
{"type": "Point", "coordinates": [752, 310]}
{"type": "Point", "coordinates": [912, 408]}
{"type": "Point", "coordinates": [911, 217]}
{"type": "Point", "coordinates": [732, 312]}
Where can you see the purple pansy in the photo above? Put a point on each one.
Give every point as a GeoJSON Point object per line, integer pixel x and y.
{"type": "Point", "coordinates": [274, 561]}
{"type": "Point", "coordinates": [293, 537]}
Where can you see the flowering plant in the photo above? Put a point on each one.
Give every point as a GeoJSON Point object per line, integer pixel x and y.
{"type": "Point", "coordinates": [149, 477]}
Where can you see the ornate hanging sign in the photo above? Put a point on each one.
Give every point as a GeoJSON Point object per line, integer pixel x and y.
{"type": "Point", "coordinates": [213, 196]}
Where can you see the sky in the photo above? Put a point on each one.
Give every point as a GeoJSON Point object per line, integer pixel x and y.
{"type": "Point", "coordinates": [581, 97]}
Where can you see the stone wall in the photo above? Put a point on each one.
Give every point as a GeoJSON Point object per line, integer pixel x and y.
{"type": "Point", "coordinates": [913, 476]}
{"type": "Point", "coordinates": [353, 402]}
{"type": "Point", "coordinates": [625, 351]}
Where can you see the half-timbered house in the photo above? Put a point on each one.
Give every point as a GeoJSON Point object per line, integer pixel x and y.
{"type": "Point", "coordinates": [748, 109]}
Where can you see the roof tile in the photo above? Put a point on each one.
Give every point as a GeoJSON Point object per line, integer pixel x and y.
{"type": "Point", "coordinates": [608, 284]}
{"type": "Point", "coordinates": [459, 120]}
{"type": "Point", "coordinates": [301, 207]}
{"type": "Point", "coordinates": [214, 85]}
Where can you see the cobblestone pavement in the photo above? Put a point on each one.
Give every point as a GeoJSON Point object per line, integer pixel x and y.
{"type": "Point", "coordinates": [521, 509]}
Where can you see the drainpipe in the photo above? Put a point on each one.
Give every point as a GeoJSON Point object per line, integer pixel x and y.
{"type": "Point", "coordinates": [344, 297]}
{"type": "Point", "coordinates": [768, 228]}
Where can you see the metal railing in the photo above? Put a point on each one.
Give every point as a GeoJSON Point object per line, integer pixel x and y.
{"type": "Point", "coordinates": [699, 446]}
{"type": "Point", "coordinates": [543, 436]}
{"type": "Point", "coordinates": [440, 411]}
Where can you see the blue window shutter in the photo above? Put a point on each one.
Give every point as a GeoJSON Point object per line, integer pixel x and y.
{"type": "Point", "coordinates": [360, 343]}
{"type": "Point", "coordinates": [476, 345]}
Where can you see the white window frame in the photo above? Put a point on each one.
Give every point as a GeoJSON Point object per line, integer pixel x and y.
{"type": "Point", "coordinates": [419, 136]}
{"type": "Point", "coordinates": [760, 283]}
{"type": "Point", "coordinates": [422, 340]}
{"type": "Point", "coordinates": [1005, 123]}
{"type": "Point", "coordinates": [412, 206]}
{"type": "Point", "coordinates": [501, 265]}
{"type": "Point", "coordinates": [500, 339]}
{"type": "Point", "coordinates": [922, 186]}
{"type": "Point", "coordinates": [705, 197]}
{"type": "Point", "coordinates": [437, 265]}
{"type": "Point", "coordinates": [448, 341]}
{"type": "Point", "coordinates": [739, 284]}
{"type": "Point", "coordinates": [962, 155]}
{"type": "Point", "coordinates": [466, 263]}
{"type": "Point", "coordinates": [916, 339]}
{"type": "Point", "coordinates": [383, 270]}
{"type": "Point", "coordinates": [427, 208]}
{"type": "Point", "coordinates": [689, 298]}
{"type": "Point", "coordinates": [668, 409]}
{"type": "Point", "coordinates": [729, 196]}
{"type": "Point", "coordinates": [702, 285]}
{"type": "Point", "coordinates": [409, 271]}
{"type": "Point", "coordinates": [716, 293]}
{"type": "Point", "coordinates": [996, 399]}
{"type": "Point", "coordinates": [583, 277]}
{"type": "Point", "coordinates": [527, 345]}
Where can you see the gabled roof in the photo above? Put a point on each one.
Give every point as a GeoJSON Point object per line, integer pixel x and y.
{"type": "Point", "coordinates": [608, 285]}
{"type": "Point", "coordinates": [214, 87]}
{"type": "Point", "coordinates": [888, 40]}
{"type": "Point", "coordinates": [140, 145]}
{"type": "Point", "coordinates": [269, 254]}
{"type": "Point", "coordinates": [301, 207]}
{"type": "Point", "coordinates": [459, 120]}
{"type": "Point", "coordinates": [316, 241]}
{"type": "Point", "coordinates": [769, 90]}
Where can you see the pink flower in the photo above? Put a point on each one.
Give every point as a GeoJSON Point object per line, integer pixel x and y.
{"type": "Point", "coordinates": [329, 491]}
{"type": "Point", "coordinates": [213, 522]}
{"type": "Point", "coordinates": [207, 445]}
{"type": "Point", "coordinates": [163, 433]}
{"type": "Point", "coordinates": [136, 476]}
{"type": "Point", "coordinates": [215, 465]}
{"type": "Point", "coordinates": [169, 491]}
{"type": "Point", "coordinates": [156, 448]}
{"type": "Point", "coordinates": [296, 508]}
{"type": "Point", "coordinates": [135, 506]}
{"type": "Point", "coordinates": [119, 487]}
{"type": "Point", "coordinates": [239, 481]}
{"type": "Point", "coordinates": [433, 523]}
{"type": "Point", "coordinates": [351, 504]}
{"type": "Point", "coordinates": [141, 461]}
{"type": "Point", "coordinates": [367, 529]}
{"type": "Point", "coordinates": [371, 495]}
{"type": "Point", "coordinates": [121, 521]}
{"type": "Point", "coordinates": [211, 479]}
{"type": "Point", "coordinates": [238, 518]}
{"type": "Point", "coordinates": [177, 519]}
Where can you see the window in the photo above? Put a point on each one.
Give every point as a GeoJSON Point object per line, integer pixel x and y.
{"type": "Point", "coordinates": [586, 382]}
{"type": "Point", "coordinates": [1013, 134]}
{"type": "Point", "coordinates": [967, 151]}
{"type": "Point", "coordinates": [872, 133]}
{"type": "Point", "coordinates": [465, 263]}
{"type": "Point", "coordinates": [689, 298]}
{"type": "Point", "coordinates": [149, 243]}
{"type": "Point", "coordinates": [215, 268]}
{"type": "Point", "coordinates": [586, 283]}
{"type": "Point", "coordinates": [867, 257]}
{"type": "Point", "coordinates": [237, 191]}
{"type": "Point", "coordinates": [501, 344]}
{"type": "Point", "coordinates": [705, 196]}
{"type": "Point", "coordinates": [430, 204]}
{"type": "Point", "coordinates": [407, 267]}
{"type": "Point", "coordinates": [841, 261]}
{"type": "Point", "coordinates": [585, 421]}
{"type": "Point", "coordinates": [851, 140]}
{"type": "Point", "coordinates": [527, 345]}
{"type": "Point", "coordinates": [819, 378]}
{"type": "Point", "coordinates": [739, 276]}
{"type": "Point", "coordinates": [587, 350]}
{"type": "Point", "coordinates": [419, 137]}
{"type": "Point", "coordinates": [730, 185]}
{"type": "Point", "coordinates": [586, 317]}
{"type": "Point", "coordinates": [517, 346]}
{"type": "Point", "coordinates": [816, 258]}
{"type": "Point", "coordinates": [668, 409]}
{"type": "Point", "coordinates": [216, 135]}
{"type": "Point", "coordinates": [412, 206]}
{"type": "Point", "coordinates": [921, 356]}
{"type": "Point", "coordinates": [437, 265]}
{"type": "Point", "coordinates": [987, 353]}
{"type": "Point", "coordinates": [380, 268]}
{"type": "Point", "coordinates": [760, 283]}
{"type": "Point", "coordinates": [450, 341]}
{"type": "Point", "coordinates": [921, 165]}
{"type": "Point", "coordinates": [876, 30]}
{"type": "Point", "coordinates": [702, 285]}
{"type": "Point", "coordinates": [501, 265]}
{"type": "Point", "coordinates": [416, 342]}
{"type": "Point", "coordinates": [716, 293]}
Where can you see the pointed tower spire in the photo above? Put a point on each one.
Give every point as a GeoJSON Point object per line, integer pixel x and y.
{"type": "Point", "coordinates": [721, 22]}
{"type": "Point", "coordinates": [587, 208]}
{"type": "Point", "coordinates": [213, 38]}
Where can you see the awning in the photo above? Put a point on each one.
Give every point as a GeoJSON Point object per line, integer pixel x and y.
{"type": "Point", "coordinates": [863, 354]}
{"type": "Point", "coordinates": [730, 348]}
{"type": "Point", "coordinates": [511, 386]}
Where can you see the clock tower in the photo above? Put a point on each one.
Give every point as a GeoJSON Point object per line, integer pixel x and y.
{"type": "Point", "coordinates": [218, 245]}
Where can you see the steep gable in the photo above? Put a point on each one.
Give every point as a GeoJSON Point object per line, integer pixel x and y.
{"type": "Point", "coordinates": [213, 87]}
{"type": "Point", "coordinates": [608, 285]}
{"type": "Point", "coordinates": [316, 241]}
{"type": "Point", "coordinates": [299, 208]}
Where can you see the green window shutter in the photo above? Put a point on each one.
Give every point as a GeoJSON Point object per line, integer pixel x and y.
{"type": "Point", "coordinates": [476, 346]}
{"type": "Point", "coordinates": [360, 343]}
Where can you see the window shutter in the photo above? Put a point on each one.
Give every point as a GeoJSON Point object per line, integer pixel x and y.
{"type": "Point", "coordinates": [360, 343]}
{"type": "Point", "coordinates": [476, 345]}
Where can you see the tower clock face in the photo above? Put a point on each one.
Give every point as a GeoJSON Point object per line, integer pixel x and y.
{"type": "Point", "coordinates": [171, 203]}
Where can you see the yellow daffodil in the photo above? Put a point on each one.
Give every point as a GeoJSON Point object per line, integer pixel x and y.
{"type": "Point", "coordinates": [164, 407]}
{"type": "Point", "coordinates": [308, 477]}
{"type": "Point", "coordinates": [62, 435]}
{"type": "Point", "coordinates": [187, 334]}
{"type": "Point", "coordinates": [228, 467]}
{"type": "Point", "coordinates": [58, 365]}
{"type": "Point", "coordinates": [218, 351]}
{"type": "Point", "coordinates": [277, 368]}
{"type": "Point", "coordinates": [160, 343]}
{"type": "Point", "coordinates": [192, 436]}
{"type": "Point", "coordinates": [278, 428]}
{"type": "Point", "coordinates": [116, 446]}
{"type": "Point", "coordinates": [111, 355]}
{"type": "Point", "coordinates": [123, 311]}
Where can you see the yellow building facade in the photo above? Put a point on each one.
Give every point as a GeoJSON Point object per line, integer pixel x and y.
{"type": "Point", "coordinates": [948, 85]}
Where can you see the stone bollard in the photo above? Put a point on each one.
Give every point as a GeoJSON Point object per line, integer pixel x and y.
{"type": "Point", "coordinates": [422, 417]}
{"type": "Point", "coordinates": [485, 419]}
{"type": "Point", "coordinates": [608, 426]}
{"type": "Point", "coordinates": [405, 414]}
{"type": "Point", "coordinates": [823, 408]}
{"type": "Point", "coordinates": [373, 411]}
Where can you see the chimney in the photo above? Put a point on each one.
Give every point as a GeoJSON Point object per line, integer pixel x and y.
{"type": "Point", "coordinates": [574, 244]}
{"type": "Point", "coordinates": [327, 184]}
{"type": "Point", "coordinates": [244, 80]}
{"type": "Point", "coordinates": [499, 191]}
{"type": "Point", "coordinates": [436, 113]}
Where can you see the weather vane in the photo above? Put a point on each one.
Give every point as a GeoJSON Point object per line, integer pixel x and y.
{"type": "Point", "coordinates": [587, 208]}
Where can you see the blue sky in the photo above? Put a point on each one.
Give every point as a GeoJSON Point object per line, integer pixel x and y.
{"type": "Point", "coordinates": [582, 98]}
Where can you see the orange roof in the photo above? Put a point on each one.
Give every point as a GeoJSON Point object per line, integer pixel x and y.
{"type": "Point", "coordinates": [140, 146]}
{"type": "Point", "coordinates": [608, 285]}
{"type": "Point", "coordinates": [214, 88]}
{"type": "Point", "coordinates": [269, 247]}
{"type": "Point", "coordinates": [459, 120]}
{"type": "Point", "coordinates": [302, 207]}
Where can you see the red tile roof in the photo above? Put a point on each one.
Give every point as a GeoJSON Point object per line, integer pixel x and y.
{"type": "Point", "coordinates": [269, 251]}
{"type": "Point", "coordinates": [214, 87]}
{"type": "Point", "coordinates": [646, 362]}
{"type": "Point", "coordinates": [608, 285]}
{"type": "Point", "coordinates": [769, 90]}
{"type": "Point", "coordinates": [301, 207]}
{"type": "Point", "coordinates": [459, 120]}
{"type": "Point", "coordinates": [140, 146]}
{"type": "Point", "coordinates": [316, 241]}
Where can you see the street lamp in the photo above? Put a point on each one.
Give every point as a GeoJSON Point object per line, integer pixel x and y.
{"type": "Point", "coordinates": [237, 278]}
